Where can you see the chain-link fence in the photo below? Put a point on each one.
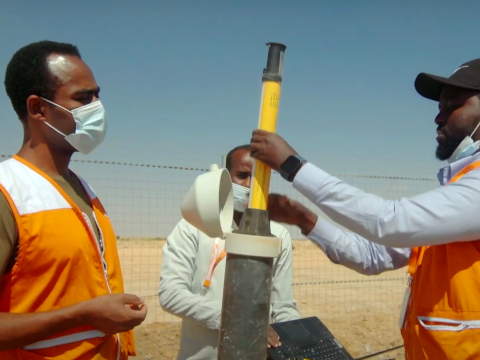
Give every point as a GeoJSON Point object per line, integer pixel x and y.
{"type": "Point", "coordinates": [143, 200]}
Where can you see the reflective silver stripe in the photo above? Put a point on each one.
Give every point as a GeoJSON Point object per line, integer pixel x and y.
{"type": "Point", "coordinates": [68, 339]}
{"type": "Point", "coordinates": [448, 324]}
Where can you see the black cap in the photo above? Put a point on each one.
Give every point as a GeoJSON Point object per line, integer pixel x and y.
{"type": "Point", "coordinates": [466, 76]}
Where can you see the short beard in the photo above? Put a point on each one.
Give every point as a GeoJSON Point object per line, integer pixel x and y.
{"type": "Point", "coordinates": [447, 147]}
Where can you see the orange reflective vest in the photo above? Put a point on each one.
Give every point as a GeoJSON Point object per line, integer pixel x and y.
{"type": "Point", "coordinates": [59, 263]}
{"type": "Point", "coordinates": [442, 321]}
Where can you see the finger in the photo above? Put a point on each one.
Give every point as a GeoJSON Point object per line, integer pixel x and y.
{"type": "Point", "coordinates": [254, 153]}
{"type": "Point", "coordinates": [143, 312]}
{"type": "Point", "coordinates": [256, 133]}
{"type": "Point", "coordinates": [273, 339]}
{"type": "Point", "coordinates": [273, 197]}
{"type": "Point", "coordinates": [255, 145]}
{"type": "Point", "coordinates": [259, 135]}
{"type": "Point", "coordinates": [140, 314]}
{"type": "Point", "coordinates": [274, 333]}
{"type": "Point", "coordinates": [135, 306]}
{"type": "Point", "coordinates": [273, 200]}
{"type": "Point", "coordinates": [261, 132]}
{"type": "Point", "coordinates": [273, 342]}
{"type": "Point", "coordinates": [132, 299]}
{"type": "Point", "coordinates": [256, 139]}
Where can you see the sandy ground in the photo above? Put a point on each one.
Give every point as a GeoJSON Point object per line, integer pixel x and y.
{"type": "Point", "coordinates": [360, 311]}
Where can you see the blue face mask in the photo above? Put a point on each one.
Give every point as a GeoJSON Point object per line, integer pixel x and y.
{"type": "Point", "coordinates": [241, 195]}
{"type": "Point", "coordinates": [466, 148]}
{"type": "Point", "coordinates": [90, 126]}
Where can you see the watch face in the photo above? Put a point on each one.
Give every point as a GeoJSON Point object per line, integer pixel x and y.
{"type": "Point", "coordinates": [290, 166]}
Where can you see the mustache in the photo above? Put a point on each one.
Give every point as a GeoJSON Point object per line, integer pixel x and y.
{"type": "Point", "coordinates": [441, 130]}
{"type": "Point", "coordinates": [451, 138]}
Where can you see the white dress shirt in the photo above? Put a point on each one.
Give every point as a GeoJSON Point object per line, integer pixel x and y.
{"type": "Point", "coordinates": [384, 231]}
{"type": "Point", "coordinates": [186, 259]}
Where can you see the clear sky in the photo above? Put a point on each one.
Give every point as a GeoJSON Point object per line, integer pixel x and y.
{"type": "Point", "coordinates": [181, 80]}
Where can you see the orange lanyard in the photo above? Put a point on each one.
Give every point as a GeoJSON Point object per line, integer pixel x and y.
{"type": "Point", "coordinates": [219, 258]}
{"type": "Point", "coordinates": [214, 261]}
{"type": "Point", "coordinates": [466, 169]}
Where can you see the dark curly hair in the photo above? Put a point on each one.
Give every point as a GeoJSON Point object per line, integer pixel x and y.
{"type": "Point", "coordinates": [28, 73]}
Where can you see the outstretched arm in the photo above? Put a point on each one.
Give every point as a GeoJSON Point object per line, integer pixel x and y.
{"type": "Point", "coordinates": [441, 216]}
{"type": "Point", "coordinates": [342, 247]}
{"type": "Point", "coordinates": [444, 215]}
{"type": "Point", "coordinates": [355, 252]}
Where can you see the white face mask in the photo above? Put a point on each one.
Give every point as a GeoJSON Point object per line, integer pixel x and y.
{"type": "Point", "coordinates": [241, 195]}
{"type": "Point", "coordinates": [466, 148]}
{"type": "Point", "coordinates": [90, 126]}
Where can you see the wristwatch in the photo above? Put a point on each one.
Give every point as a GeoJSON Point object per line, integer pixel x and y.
{"type": "Point", "coordinates": [290, 167]}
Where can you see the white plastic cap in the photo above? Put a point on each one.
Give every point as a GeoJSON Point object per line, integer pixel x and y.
{"type": "Point", "coordinates": [253, 245]}
{"type": "Point", "coordinates": [208, 205]}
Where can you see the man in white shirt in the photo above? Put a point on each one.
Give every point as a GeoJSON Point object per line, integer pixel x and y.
{"type": "Point", "coordinates": [193, 269]}
{"type": "Point", "coordinates": [436, 233]}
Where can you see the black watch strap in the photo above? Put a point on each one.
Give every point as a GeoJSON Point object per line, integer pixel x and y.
{"type": "Point", "coordinates": [290, 167]}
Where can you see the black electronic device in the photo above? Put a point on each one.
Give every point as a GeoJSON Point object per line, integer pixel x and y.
{"type": "Point", "coordinates": [306, 338]}
{"type": "Point", "coordinates": [290, 167]}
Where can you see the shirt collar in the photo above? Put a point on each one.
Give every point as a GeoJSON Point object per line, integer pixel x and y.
{"type": "Point", "coordinates": [448, 172]}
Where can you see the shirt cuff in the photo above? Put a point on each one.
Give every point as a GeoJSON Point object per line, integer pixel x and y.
{"type": "Point", "coordinates": [323, 234]}
{"type": "Point", "coordinates": [309, 180]}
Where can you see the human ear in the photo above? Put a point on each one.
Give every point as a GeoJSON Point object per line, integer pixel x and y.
{"type": "Point", "coordinates": [36, 108]}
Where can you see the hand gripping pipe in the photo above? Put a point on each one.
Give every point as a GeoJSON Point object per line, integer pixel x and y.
{"type": "Point", "coordinates": [252, 248]}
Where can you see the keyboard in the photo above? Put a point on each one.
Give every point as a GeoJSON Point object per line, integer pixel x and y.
{"type": "Point", "coordinates": [323, 350]}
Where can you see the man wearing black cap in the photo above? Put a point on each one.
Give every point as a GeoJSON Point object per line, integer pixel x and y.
{"type": "Point", "coordinates": [435, 233]}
